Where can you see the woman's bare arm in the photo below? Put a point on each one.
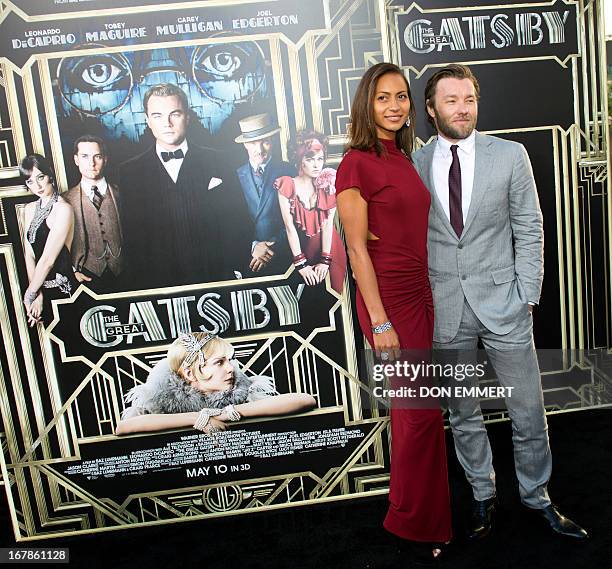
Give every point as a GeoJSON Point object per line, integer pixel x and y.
{"type": "Point", "coordinates": [328, 231]}
{"type": "Point", "coordinates": [292, 234]}
{"type": "Point", "coordinates": [307, 272]}
{"type": "Point", "coordinates": [35, 307]}
{"type": "Point", "coordinates": [30, 259]}
{"type": "Point", "coordinates": [155, 422]}
{"type": "Point", "coordinates": [353, 211]}
{"type": "Point", "coordinates": [59, 233]}
{"type": "Point", "coordinates": [275, 405]}
{"type": "Point", "coordinates": [282, 404]}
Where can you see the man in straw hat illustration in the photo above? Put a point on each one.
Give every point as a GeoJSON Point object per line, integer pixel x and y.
{"type": "Point", "coordinates": [270, 251]}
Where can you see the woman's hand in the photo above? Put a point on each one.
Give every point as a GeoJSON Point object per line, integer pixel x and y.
{"type": "Point", "coordinates": [321, 270]}
{"type": "Point", "coordinates": [60, 223]}
{"type": "Point", "coordinates": [82, 278]}
{"type": "Point", "coordinates": [214, 425]}
{"type": "Point", "coordinates": [308, 274]}
{"type": "Point", "coordinates": [387, 345]}
{"type": "Point", "coordinates": [34, 310]}
{"type": "Point", "coordinates": [262, 255]}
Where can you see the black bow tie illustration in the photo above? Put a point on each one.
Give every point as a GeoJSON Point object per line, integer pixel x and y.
{"type": "Point", "coordinates": [178, 154]}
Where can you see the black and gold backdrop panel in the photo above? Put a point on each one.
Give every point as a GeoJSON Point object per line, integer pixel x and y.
{"type": "Point", "coordinates": [69, 69]}
{"type": "Point", "coordinates": [540, 67]}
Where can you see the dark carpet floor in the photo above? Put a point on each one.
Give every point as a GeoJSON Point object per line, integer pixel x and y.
{"type": "Point", "coordinates": [349, 534]}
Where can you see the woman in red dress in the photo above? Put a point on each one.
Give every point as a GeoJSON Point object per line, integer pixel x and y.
{"type": "Point", "coordinates": [384, 208]}
{"type": "Point", "coordinates": [308, 206]}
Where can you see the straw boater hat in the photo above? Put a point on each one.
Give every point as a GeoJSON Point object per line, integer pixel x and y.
{"type": "Point", "coordinates": [256, 127]}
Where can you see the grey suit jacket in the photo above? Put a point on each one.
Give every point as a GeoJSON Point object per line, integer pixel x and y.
{"type": "Point", "coordinates": [498, 263]}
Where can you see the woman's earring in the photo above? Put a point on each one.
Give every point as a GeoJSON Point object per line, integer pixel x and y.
{"type": "Point", "coordinates": [408, 122]}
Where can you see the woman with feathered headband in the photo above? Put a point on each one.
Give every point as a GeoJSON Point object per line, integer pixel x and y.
{"type": "Point", "coordinates": [198, 385]}
{"type": "Point", "coordinates": [308, 206]}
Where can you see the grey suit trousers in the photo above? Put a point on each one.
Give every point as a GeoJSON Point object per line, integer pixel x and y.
{"type": "Point", "coordinates": [514, 360]}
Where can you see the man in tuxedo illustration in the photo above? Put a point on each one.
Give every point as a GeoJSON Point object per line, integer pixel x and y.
{"type": "Point", "coordinates": [182, 221]}
{"type": "Point", "coordinates": [486, 267]}
{"type": "Point", "coordinates": [97, 245]}
{"type": "Point", "coordinates": [270, 250]}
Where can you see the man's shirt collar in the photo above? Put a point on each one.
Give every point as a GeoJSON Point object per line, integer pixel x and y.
{"type": "Point", "coordinates": [467, 145]}
{"type": "Point", "coordinates": [101, 185]}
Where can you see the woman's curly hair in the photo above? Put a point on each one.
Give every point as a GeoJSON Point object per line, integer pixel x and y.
{"type": "Point", "coordinates": [301, 146]}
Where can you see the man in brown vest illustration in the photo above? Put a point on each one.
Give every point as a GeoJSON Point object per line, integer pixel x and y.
{"type": "Point", "coordinates": [97, 244]}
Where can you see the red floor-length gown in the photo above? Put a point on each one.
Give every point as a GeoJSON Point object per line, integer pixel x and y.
{"type": "Point", "coordinates": [398, 209]}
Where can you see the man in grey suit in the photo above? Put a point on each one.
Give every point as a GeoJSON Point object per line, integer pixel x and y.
{"type": "Point", "coordinates": [486, 268]}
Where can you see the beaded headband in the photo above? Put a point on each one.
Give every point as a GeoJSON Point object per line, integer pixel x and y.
{"type": "Point", "coordinates": [194, 348]}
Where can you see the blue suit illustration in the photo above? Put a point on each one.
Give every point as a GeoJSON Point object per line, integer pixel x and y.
{"type": "Point", "coordinates": [263, 204]}
{"type": "Point", "coordinates": [270, 249]}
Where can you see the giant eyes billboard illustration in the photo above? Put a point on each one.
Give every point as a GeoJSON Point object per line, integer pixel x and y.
{"type": "Point", "coordinates": [108, 88]}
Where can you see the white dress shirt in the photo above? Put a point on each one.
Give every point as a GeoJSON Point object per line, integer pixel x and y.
{"type": "Point", "coordinates": [173, 167]}
{"type": "Point", "coordinates": [442, 160]}
{"type": "Point", "coordinates": [101, 185]}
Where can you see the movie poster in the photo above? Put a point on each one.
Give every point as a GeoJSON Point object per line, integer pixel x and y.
{"type": "Point", "coordinates": [201, 199]}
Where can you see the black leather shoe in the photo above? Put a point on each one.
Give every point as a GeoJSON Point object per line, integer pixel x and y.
{"type": "Point", "coordinates": [481, 520]}
{"type": "Point", "coordinates": [559, 523]}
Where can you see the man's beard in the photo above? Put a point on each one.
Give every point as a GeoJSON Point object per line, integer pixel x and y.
{"type": "Point", "coordinates": [459, 132]}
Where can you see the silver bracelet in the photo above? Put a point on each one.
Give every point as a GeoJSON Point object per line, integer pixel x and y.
{"type": "Point", "coordinates": [30, 297]}
{"type": "Point", "coordinates": [382, 327]}
{"type": "Point", "coordinates": [231, 413]}
{"type": "Point", "coordinates": [204, 417]}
